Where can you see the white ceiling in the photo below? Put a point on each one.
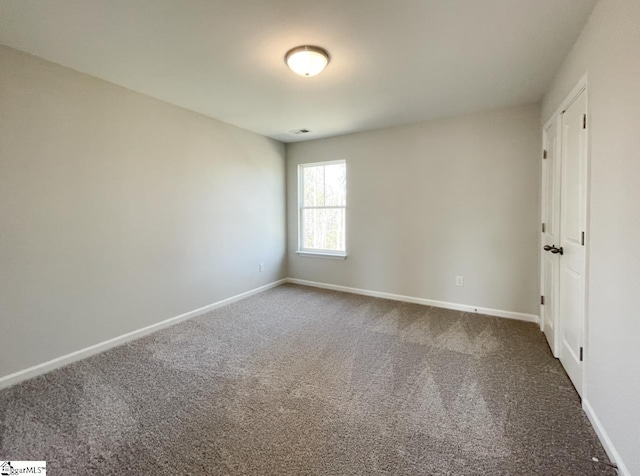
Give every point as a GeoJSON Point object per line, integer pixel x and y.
{"type": "Point", "coordinates": [392, 61]}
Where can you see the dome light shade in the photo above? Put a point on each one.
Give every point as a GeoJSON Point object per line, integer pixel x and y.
{"type": "Point", "coordinates": [307, 60]}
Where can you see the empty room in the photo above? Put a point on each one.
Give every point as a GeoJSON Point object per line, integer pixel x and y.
{"type": "Point", "coordinates": [347, 237]}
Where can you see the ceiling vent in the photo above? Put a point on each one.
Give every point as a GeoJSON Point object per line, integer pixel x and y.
{"type": "Point", "coordinates": [300, 131]}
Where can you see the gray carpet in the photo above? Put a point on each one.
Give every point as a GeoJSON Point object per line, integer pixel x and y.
{"type": "Point", "coordinates": [303, 381]}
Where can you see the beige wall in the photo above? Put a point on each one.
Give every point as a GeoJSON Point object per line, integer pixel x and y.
{"type": "Point", "coordinates": [433, 200]}
{"type": "Point", "coordinates": [118, 211]}
{"type": "Point", "coordinates": [608, 50]}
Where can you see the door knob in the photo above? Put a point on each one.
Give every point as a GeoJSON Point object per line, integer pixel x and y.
{"type": "Point", "coordinates": [548, 248]}
{"type": "Point", "coordinates": [555, 250]}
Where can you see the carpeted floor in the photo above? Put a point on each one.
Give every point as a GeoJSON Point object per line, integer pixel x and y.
{"type": "Point", "coordinates": [304, 381]}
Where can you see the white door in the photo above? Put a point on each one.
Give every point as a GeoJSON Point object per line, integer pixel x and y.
{"type": "Point", "coordinates": [550, 234]}
{"type": "Point", "coordinates": [571, 249]}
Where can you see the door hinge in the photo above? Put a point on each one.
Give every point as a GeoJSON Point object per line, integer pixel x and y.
{"type": "Point", "coordinates": [581, 353]}
{"type": "Point", "coordinates": [583, 238]}
{"type": "Point", "coordinates": [544, 228]}
{"type": "Point", "coordinates": [584, 121]}
{"type": "Point", "coordinates": [542, 300]}
{"type": "Point", "coordinates": [544, 154]}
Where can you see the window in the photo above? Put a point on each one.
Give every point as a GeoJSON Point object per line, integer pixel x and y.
{"type": "Point", "coordinates": [322, 200]}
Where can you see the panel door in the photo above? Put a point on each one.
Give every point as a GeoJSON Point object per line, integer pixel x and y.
{"type": "Point", "coordinates": [573, 200]}
{"type": "Point", "coordinates": [550, 234]}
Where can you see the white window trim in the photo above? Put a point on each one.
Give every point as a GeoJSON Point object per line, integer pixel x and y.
{"type": "Point", "coordinates": [322, 254]}
{"type": "Point", "coordinates": [315, 253]}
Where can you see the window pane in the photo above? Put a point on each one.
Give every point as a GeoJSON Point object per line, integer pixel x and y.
{"type": "Point", "coordinates": [335, 185]}
{"type": "Point", "coordinates": [323, 229]}
{"type": "Point", "coordinates": [313, 186]}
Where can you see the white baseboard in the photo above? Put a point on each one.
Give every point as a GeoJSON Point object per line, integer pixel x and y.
{"type": "Point", "coordinates": [612, 453]}
{"type": "Point", "coordinates": [415, 300]}
{"type": "Point", "coordinates": [63, 360]}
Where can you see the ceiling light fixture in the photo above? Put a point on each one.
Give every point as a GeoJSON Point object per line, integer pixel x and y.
{"type": "Point", "coordinates": [307, 60]}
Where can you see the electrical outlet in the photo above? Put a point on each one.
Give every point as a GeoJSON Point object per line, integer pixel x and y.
{"type": "Point", "coordinates": [261, 267]}
{"type": "Point", "coordinates": [459, 281]}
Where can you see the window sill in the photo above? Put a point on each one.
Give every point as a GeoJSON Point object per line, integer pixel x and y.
{"type": "Point", "coordinates": [318, 254]}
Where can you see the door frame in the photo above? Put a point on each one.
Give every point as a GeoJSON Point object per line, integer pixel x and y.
{"type": "Point", "coordinates": [582, 86]}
